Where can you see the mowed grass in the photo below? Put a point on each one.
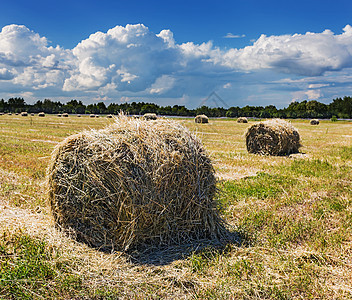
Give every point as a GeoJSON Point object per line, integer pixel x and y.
{"type": "Point", "coordinates": [293, 214]}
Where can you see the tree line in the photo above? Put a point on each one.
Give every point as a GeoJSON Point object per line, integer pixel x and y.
{"type": "Point", "coordinates": [339, 107]}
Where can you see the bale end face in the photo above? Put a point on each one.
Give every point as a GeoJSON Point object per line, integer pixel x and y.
{"type": "Point", "coordinates": [132, 184]}
{"type": "Point", "coordinates": [242, 120]}
{"type": "Point", "coordinates": [273, 137]}
{"type": "Point", "coordinates": [314, 122]}
{"type": "Point", "coordinates": [149, 117]}
{"type": "Point", "coordinates": [201, 119]}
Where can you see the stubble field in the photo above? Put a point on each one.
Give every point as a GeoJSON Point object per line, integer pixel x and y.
{"type": "Point", "coordinates": [293, 214]}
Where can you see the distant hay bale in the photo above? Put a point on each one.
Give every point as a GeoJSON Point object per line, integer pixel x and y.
{"type": "Point", "coordinates": [314, 122]}
{"type": "Point", "coordinates": [97, 116]}
{"type": "Point", "coordinates": [242, 120]}
{"type": "Point", "coordinates": [32, 114]}
{"type": "Point", "coordinates": [16, 114]}
{"type": "Point", "coordinates": [10, 114]}
{"type": "Point", "coordinates": [78, 116]}
{"type": "Point", "coordinates": [109, 116]}
{"type": "Point", "coordinates": [65, 115]}
{"type": "Point", "coordinates": [92, 116]}
{"type": "Point", "coordinates": [201, 119]}
{"type": "Point", "coordinates": [134, 184]}
{"type": "Point", "coordinates": [24, 114]}
{"type": "Point", "coordinates": [1, 113]}
{"type": "Point", "coordinates": [59, 115]}
{"type": "Point", "coordinates": [41, 114]}
{"type": "Point", "coordinates": [273, 137]}
{"type": "Point", "coordinates": [149, 116]}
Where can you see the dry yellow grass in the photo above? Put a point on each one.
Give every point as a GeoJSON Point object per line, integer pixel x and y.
{"type": "Point", "coordinates": [293, 213]}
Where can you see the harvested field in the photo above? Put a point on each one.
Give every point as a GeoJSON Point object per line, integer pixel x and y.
{"type": "Point", "coordinates": [292, 214]}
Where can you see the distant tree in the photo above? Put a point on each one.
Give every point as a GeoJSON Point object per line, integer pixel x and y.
{"type": "Point", "coordinates": [16, 104]}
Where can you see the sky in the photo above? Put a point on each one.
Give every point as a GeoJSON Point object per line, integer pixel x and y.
{"type": "Point", "coordinates": [249, 52]}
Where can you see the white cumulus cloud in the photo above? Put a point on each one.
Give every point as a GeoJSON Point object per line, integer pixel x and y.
{"type": "Point", "coordinates": [28, 59]}
{"type": "Point", "coordinates": [309, 54]}
{"type": "Point", "coordinates": [132, 61]}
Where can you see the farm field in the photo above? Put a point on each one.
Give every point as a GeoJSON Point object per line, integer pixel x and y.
{"type": "Point", "coordinates": [293, 214]}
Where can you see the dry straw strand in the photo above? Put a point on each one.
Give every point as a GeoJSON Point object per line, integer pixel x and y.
{"type": "Point", "coordinates": [133, 184]}
{"type": "Point", "coordinates": [273, 137]}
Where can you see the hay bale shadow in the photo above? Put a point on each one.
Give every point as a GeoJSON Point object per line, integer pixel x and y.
{"type": "Point", "coordinates": [166, 255]}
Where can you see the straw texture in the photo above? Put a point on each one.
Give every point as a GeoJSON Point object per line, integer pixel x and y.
{"type": "Point", "coordinates": [273, 137]}
{"type": "Point", "coordinates": [133, 184]}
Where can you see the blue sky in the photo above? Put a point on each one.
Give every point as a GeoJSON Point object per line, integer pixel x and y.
{"type": "Point", "coordinates": [248, 52]}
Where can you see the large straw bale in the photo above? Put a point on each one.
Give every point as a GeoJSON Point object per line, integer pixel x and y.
{"type": "Point", "coordinates": [150, 116]}
{"type": "Point", "coordinates": [273, 137]}
{"type": "Point", "coordinates": [24, 114]}
{"type": "Point", "coordinates": [314, 122]}
{"type": "Point", "coordinates": [65, 115]}
{"type": "Point", "coordinates": [242, 120]}
{"type": "Point", "coordinates": [134, 183]}
{"type": "Point", "coordinates": [41, 114]}
{"type": "Point", "coordinates": [201, 119]}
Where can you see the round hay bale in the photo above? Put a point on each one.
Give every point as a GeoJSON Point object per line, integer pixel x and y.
{"type": "Point", "coordinates": [109, 116]}
{"type": "Point", "coordinates": [273, 137]}
{"type": "Point", "coordinates": [41, 114]}
{"type": "Point", "coordinates": [10, 114]}
{"type": "Point", "coordinates": [201, 119]}
{"type": "Point", "coordinates": [149, 116]}
{"type": "Point", "coordinates": [24, 114]}
{"type": "Point", "coordinates": [16, 114]}
{"type": "Point", "coordinates": [242, 120]}
{"type": "Point", "coordinates": [92, 116]}
{"type": "Point", "coordinates": [65, 115]}
{"type": "Point", "coordinates": [133, 184]}
{"type": "Point", "coordinates": [97, 116]}
{"type": "Point", "coordinates": [314, 122]}
{"type": "Point", "coordinates": [1, 113]}
{"type": "Point", "coordinates": [78, 116]}
{"type": "Point", "coordinates": [59, 115]}
{"type": "Point", "coordinates": [32, 114]}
